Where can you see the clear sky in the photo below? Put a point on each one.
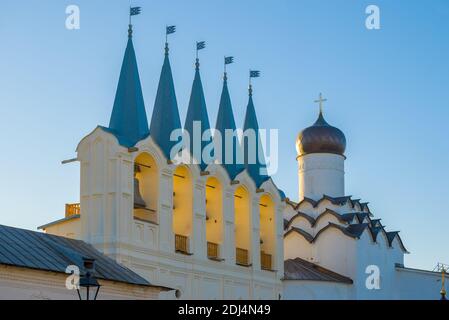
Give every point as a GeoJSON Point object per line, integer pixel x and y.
{"type": "Point", "coordinates": [387, 90]}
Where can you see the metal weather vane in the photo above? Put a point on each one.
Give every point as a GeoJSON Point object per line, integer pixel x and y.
{"type": "Point", "coordinates": [252, 74]}
{"type": "Point", "coordinates": [227, 60]}
{"type": "Point", "coordinates": [133, 11]}
{"type": "Point", "coordinates": [199, 46]}
{"type": "Point", "coordinates": [168, 30]}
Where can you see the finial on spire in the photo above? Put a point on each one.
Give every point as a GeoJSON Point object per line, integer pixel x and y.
{"type": "Point", "coordinates": [443, 289]}
{"type": "Point", "coordinates": [133, 11]}
{"type": "Point", "coordinates": [199, 46]}
{"type": "Point", "coordinates": [168, 30]}
{"type": "Point", "coordinates": [227, 60]}
{"type": "Point", "coordinates": [320, 101]}
{"type": "Point", "coordinates": [252, 74]}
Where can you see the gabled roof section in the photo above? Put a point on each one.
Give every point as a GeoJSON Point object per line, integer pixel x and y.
{"type": "Point", "coordinates": [375, 230]}
{"type": "Point", "coordinates": [376, 222]}
{"type": "Point", "coordinates": [299, 269]}
{"type": "Point", "coordinates": [353, 231]}
{"type": "Point", "coordinates": [334, 200]}
{"type": "Point", "coordinates": [348, 217]}
{"type": "Point", "coordinates": [391, 235]}
{"type": "Point", "coordinates": [301, 232]}
{"type": "Point", "coordinates": [361, 216]}
{"type": "Point", "coordinates": [357, 229]}
{"type": "Point", "coordinates": [41, 251]}
{"type": "Point", "coordinates": [165, 117]}
{"type": "Point", "coordinates": [253, 162]}
{"type": "Point", "coordinates": [128, 119]}
{"type": "Point", "coordinates": [341, 218]}
{"type": "Point", "coordinates": [197, 112]}
{"type": "Point", "coordinates": [338, 201]}
{"type": "Point", "coordinates": [310, 219]}
{"type": "Point", "coordinates": [226, 121]}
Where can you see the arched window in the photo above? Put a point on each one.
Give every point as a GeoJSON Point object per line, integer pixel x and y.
{"type": "Point", "coordinates": [214, 217]}
{"type": "Point", "coordinates": [182, 209]}
{"type": "Point", "coordinates": [267, 232]}
{"type": "Point", "coordinates": [242, 207]}
{"type": "Point", "coordinates": [146, 188]}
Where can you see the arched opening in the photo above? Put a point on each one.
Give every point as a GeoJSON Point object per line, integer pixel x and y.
{"type": "Point", "coordinates": [267, 232]}
{"type": "Point", "coordinates": [242, 207]}
{"type": "Point", "coordinates": [146, 188]}
{"type": "Point", "coordinates": [182, 209]}
{"type": "Point", "coordinates": [214, 217]}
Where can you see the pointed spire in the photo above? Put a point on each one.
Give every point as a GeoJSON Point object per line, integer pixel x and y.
{"type": "Point", "coordinates": [225, 120]}
{"type": "Point", "coordinates": [128, 119]}
{"type": "Point", "coordinates": [251, 123]}
{"type": "Point", "coordinates": [165, 117]}
{"type": "Point", "coordinates": [197, 112]}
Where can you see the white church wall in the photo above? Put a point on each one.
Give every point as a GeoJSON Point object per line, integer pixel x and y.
{"type": "Point", "coordinates": [296, 246]}
{"type": "Point", "coordinates": [336, 251]}
{"type": "Point", "coordinates": [308, 209]}
{"type": "Point", "coordinates": [289, 212]}
{"type": "Point", "coordinates": [147, 246]}
{"type": "Point", "coordinates": [29, 284]}
{"type": "Point", "coordinates": [106, 189]}
{"type": "Point", "coordinates": [372, 258]}
{"type": "Point", "coordinates": [415, 284]}
{"type": "Point", "coordinates": [324, 222]}
{"type": "Point", "coordinates": [373, 255]}
{"type": "Point", "coordinates": [302, 223]}
{"type": "Point", "coordinates": [69, 229]}
{"type": "Point", "coordinates": [316, 290]}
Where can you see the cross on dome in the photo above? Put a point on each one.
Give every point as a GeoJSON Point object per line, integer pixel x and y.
{"type": "Point", "coordinates": [320, 101]}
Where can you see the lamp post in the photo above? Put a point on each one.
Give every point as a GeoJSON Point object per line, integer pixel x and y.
{"type": "Point", "coordinates": [88, 286]}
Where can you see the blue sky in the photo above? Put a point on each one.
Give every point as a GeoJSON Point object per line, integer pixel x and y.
{"type": "Point", "coordinates": [387, 90]}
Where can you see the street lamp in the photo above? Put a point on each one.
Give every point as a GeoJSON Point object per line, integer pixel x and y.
{"type": "Point", "coordinates": [88, 286]}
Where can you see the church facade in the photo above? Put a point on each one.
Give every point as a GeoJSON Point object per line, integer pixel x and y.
{"type": "Point", "coordinates": [224, 231]}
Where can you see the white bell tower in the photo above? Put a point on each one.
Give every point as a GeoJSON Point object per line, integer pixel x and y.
{"type": "Point", "coordinates": [321, 159]}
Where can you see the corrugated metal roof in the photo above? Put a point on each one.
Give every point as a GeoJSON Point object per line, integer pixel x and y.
{"type": "Point", "coordinates": [30, 249]}
{"type": "Point", "coordinates": [299, 269]}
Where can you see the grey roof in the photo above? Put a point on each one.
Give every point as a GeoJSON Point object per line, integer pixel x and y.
{"type": "Point", "coordinates": [299, 269]}
{"type": "Point", "coordinates": [353, 230]}
{"type": "Point", "coordinates": [45, 226]}
{"type": "Point", "coordinates": [334, 200]}
{"type": "Point", "coordinates": [346, 217]}
{"type": "Point", "coordinates": [41, 251]}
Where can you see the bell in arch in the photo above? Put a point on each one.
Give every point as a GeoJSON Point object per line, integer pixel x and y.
{"type": "Point", "coordinates": [139, 203]}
